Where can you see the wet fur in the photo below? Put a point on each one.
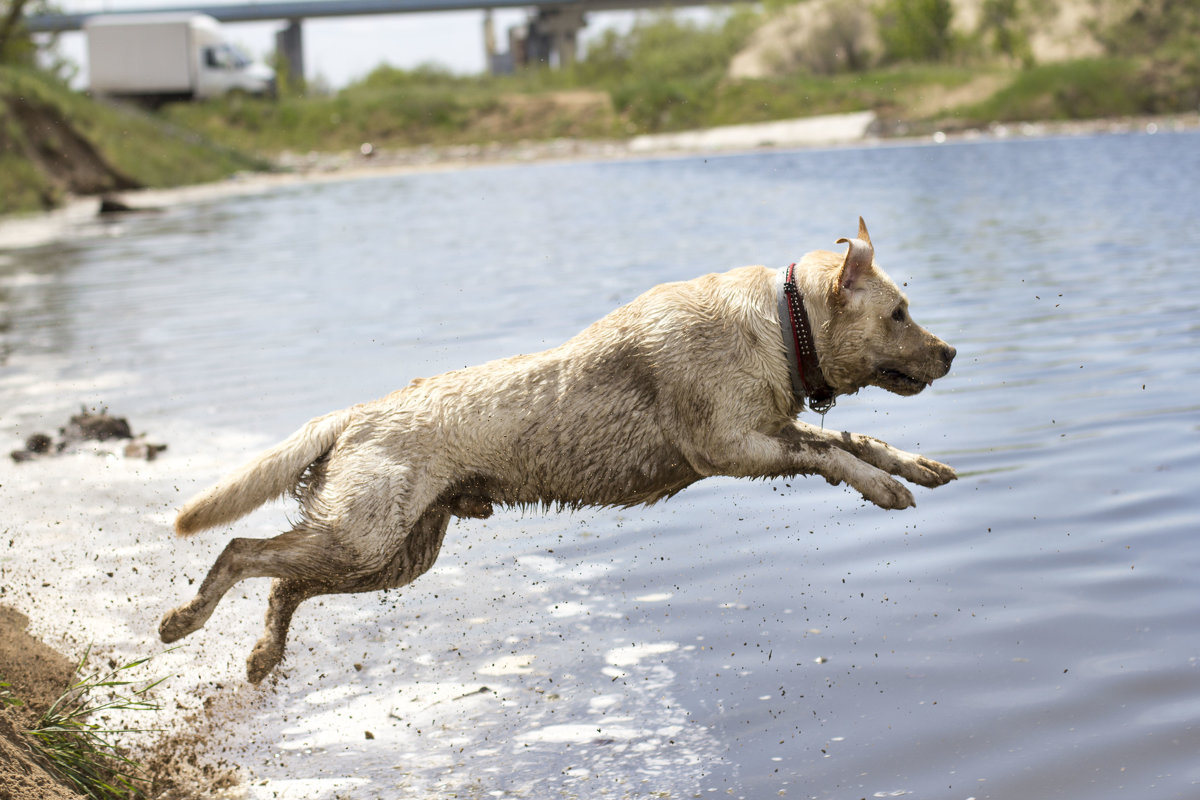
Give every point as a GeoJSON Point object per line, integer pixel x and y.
{"type": "Point", "coordinates": [687, 381]}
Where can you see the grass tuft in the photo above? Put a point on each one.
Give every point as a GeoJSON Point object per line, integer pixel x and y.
{"type": "Point", "coordinates": [83, 753]}
{"type": "Point", "coordinates": [7, 698]}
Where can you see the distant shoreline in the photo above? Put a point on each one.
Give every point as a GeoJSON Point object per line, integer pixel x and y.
{"type": "Point", "coordinates": [80, 217]}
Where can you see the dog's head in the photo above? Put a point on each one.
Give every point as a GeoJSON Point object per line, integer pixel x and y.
{"type": "Point", "coordinates": [869, 338]}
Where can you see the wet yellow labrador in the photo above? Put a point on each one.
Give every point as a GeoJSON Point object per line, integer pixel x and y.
{"type": "Point", "coordinates": [692, 379]}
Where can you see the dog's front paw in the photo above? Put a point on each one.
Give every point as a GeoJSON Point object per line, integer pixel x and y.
{"type": "Point", "coordinates": [883, 490]}
{"type": "Point", "coordinates": [933, 473]}
{"type": "Point", "coordinates": [895, 497]}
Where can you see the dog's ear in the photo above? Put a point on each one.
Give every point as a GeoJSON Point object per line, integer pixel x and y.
{"type": "Point", "coordinates": [862, 231]}
{"type": "Point", "coordinates": [859, 258]}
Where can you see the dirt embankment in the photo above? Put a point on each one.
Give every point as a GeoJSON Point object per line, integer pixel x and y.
{"type": "Point", "coordinates": [56, 144]}
{"type": "Point", "coordinates": [37, 676]}
{"type": "Point", "coordinates": [65, 160]}
{"type": "Point", "coordinates": [176, 766]}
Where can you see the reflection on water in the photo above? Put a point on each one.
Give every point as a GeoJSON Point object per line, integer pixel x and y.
{"type": "Point", "coordinates": [1029, 631]}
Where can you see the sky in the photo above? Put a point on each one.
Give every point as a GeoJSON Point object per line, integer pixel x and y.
{"type": "Point", "coordinates": [340, 50]}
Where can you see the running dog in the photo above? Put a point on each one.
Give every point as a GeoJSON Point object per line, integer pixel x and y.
{"type": "Point", "coordinates": [691, 379]}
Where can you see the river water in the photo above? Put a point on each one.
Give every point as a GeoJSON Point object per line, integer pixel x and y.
{"type": "Point", "coordinates": [1029, 631]}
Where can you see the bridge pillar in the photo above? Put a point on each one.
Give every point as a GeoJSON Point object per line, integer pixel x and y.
{"type": "Point", "coordinates": [289, 43]}
{"type": "Point", "coordinates": [559, 27]}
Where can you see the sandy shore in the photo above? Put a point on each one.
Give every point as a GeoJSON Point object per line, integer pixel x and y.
{"type": "Point", "coordinates": [79, 217]}
{"type": "Point", "coordinates": [419, 694]}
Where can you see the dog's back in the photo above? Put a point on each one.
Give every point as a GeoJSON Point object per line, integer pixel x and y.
{"type": "Point", "coordinates": [621, 414]}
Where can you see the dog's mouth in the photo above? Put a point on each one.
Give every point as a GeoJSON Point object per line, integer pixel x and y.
{"type": "Point", "coordinates": [900, 382]}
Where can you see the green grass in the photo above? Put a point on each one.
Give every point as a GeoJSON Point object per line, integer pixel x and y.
{"type": "Point", "coordinates": [83, 753]}
{"type": "Point", "coordinates": [22, 186]}
{"type": "Point", "coordinates": [7, 698]}
{"type": "Point", "coordinates": [885, 90]}
{"type": "Point", "coordinates": [414, 114]}
{"type": "Point", "coordinates": [1083, 89]}
{"type": "Point", "coordinates": [141, 146]}
{"type": "Point", "coordinates": [401, 108]}
{"type": "Point", "coordinates": [395, 107]}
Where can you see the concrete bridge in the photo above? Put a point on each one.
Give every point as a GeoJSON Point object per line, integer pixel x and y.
{"type": "Point", "coordinates": [551, 36]}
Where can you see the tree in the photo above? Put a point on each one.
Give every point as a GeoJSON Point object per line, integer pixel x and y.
{"type": "Point", "coordinates": [916, 30]}
{"type": "Point", "coordinates": [15, 45]}
{"type": "Point", "coordinates": [1003, 22]}
{"type": "Point", "coordinates": [1152, 25]}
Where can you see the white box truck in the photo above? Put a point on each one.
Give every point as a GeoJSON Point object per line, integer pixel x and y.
{"type": "Point", "coordinates": [154, 58]}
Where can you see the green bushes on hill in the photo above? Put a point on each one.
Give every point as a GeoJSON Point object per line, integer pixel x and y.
{"type": "Point", "coordinates": [916, 30]}
{"type": "Point", "coordinates": [671, 73]}
{"type": "Point", "coordinates": [666, 73]}
{"type": "Point", "coordinates": [397, 107]}
{"type": "Point", "coordinates": [1082, 89]}
{"type": "Point", "coordinates": [55, 142]}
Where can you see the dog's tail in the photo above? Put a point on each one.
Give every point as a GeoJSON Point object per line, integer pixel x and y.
{"type": "Point", "coordinates": [263, 479]}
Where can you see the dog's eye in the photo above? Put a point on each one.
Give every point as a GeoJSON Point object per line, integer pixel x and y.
{"type": "Point", "coordinates": [898, 314]}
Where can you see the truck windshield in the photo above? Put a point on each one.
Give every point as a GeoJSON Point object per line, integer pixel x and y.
{"type": "Point", "coordinates": [225, 56]}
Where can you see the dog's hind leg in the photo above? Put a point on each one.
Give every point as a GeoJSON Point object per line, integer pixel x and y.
{"type": "Point", "coordinates": [286, 596]}
{"type": "Point", "coordinates": [350, 527]}
{"type": "Point", "coordinates": [415, 557]}
{"type": "Point", "coordinates": [300, 554]}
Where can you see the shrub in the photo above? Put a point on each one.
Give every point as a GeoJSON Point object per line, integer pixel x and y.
{"type": "Point", "coordinates": [664, 73]}
{"type": "Point", "coordinates": [1004, 25]}
{"type": "Point", "coordinates": [1151, 25]}
{"type": "Point", "coordinates": [916, 30]}
{"type": "Point", "coordinates": [1083, 89]}
{"type": "Point", "coordinates": [666, 47]}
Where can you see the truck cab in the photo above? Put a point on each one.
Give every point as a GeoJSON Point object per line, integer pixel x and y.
{"type": "Point", "coordinates": [225, 68]}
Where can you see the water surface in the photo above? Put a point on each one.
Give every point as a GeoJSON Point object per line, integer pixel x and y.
{"type": "Point", "coordinates": [1032, 630]}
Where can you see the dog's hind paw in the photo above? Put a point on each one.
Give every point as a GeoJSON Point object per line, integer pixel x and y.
{"type": "Point", "coordinates": [178, 623]}
{"type": "Point", "coordinates": [261, 661]}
